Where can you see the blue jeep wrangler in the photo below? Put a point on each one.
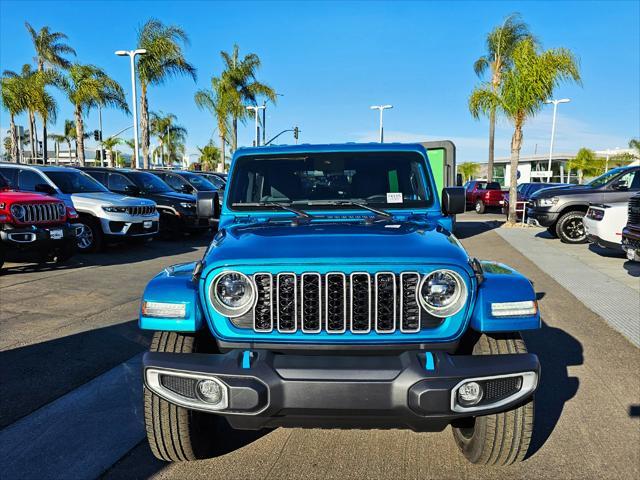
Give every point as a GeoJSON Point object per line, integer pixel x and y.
{"type": "Point", "coordinates": [334, 295]}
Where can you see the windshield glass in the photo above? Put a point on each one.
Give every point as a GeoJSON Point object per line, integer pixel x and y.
{"type": "Point", "coordinates": [215, 180]}
{"type": "Point", "coordinates": [384, 179]}
{"type": "Point", "coordinates": [605, 178]}
{"type": "Point", "coordinates": [149, 183]}
{"type": "Point", "coordinates": [200, 183]}
{"type": "Point", "coordinates": [75, 182]}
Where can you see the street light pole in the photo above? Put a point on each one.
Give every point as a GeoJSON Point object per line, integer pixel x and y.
{"type": "Point", "coordinates": [553, 130]}
{"type": "Point", "coordinates": [132, 56]}
{"type": "Point", "coordinates": [381, 108]}
{"type": "Point", "coordinates": [264, 118]}
{"type": "Point", "coordinates": [256, 109]}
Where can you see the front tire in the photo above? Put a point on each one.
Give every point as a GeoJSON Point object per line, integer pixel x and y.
{"type": "Point", "coordinates": [90, 238]}
{"type": "Point", "coordinates": [480, 207]}
{"type": "Point", "coordinates": [570, 228]}
{"type": "Point", "coordinates": [500, 438]}
{"type": "Point", "coordinates": [176, 434]}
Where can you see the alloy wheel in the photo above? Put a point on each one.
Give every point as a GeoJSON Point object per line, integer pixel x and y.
{"type": "Point", "coordinates": [574, 229]}
{"type": "Point", "coordinates": [85, 237]}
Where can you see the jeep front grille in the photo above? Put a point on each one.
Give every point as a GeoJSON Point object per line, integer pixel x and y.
{"type": "Point", "coordinates": [634, 210]}
{"type": "Point", "coordinates": [41, 213]}
{"type": "Point", "coordinates": [335, 302]}
{"type": "Point", "coordinates": [145, 210]}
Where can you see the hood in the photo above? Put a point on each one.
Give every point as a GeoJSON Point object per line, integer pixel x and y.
{"type": "Point", "coordinates": [12, 196]}
{"type": "Point", "coordinates": [337, 243]}
{"type": "Point", "coordinates": [566, 190]}
{"type": "Point", "coordinates": [174, 197]}
{"type": "Point", "coordinates": [108, 198]}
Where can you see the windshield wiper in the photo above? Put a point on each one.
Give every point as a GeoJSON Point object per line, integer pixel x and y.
{"type": "Point", "coordinates": [301, 214]}
{"type": "Point", "coordinates": [377, 211]}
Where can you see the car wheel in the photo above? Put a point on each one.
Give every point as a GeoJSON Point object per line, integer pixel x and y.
{"type": "Point", "coordinates": [500, 438]}
{"type": "Point", "coordinates": [174, 433]}
{"type": "Point", "coordinates": [480, 207]}
{"type": "Point", "coordinates": [570, 228]}
{"type": "Point", "coordinates": [90, 237]}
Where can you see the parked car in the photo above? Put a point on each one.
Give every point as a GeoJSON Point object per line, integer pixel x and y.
{"type": "Point", "coordinates": [631, 232]}
{"type": "Point", "coordinates": [177, 210]}
{"type": "Point", "coordinates": [604, 223]}
{"type": "Point", "coordinates": [219, 180]}
{"type": "Point", "coordinates": [35, 225]}
{"type": "Point", "coordinates": [561, 209]}
{"type": "Point", "coordinates": [525, 190]}
{"type": "Point", "coordinates": [103, 215]}
{"type": "Point", "coordinates": [482, 195]}
{"type": "Point", "coordinates": [349, 305]}
{"type": "Point", "coordinates": [184, 181]}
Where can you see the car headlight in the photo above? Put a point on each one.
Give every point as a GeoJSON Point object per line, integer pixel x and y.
{"type": "Point", "coordinates": [18, 212]}
{"type": "Point", "coordinates": [547, 201]}
{"type": "Point", "coordinates": [188, 205]}
{"type": "Point", "coordinates": [232, 294]}
{"type": "Point", "coordinates": [443, 293]}
{"type": "Point", "coordinates": [115, 209]}
{"type": "Point", "coordinates": [61, 210]}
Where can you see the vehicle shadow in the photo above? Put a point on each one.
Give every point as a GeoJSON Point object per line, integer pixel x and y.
{"type": "Point", "coordinates": [37, 374]}
{"type": "Point", "coordinates": [545, 234]}
{"type": "Point", "coordinates": [556, 350]}
{"type": "Point", "coordinates": [632, 268]}
{"type": "Point", "coordinates": [606, 252]}
{"type": "Point", "coordinates": [466, 229]}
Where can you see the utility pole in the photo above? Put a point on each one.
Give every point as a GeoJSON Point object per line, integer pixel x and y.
{"type": "Point", "coordinates": [256, 109]}
{"type": "Point", "coordinates": [264, 118]}
{"type": "Point", "coordinates": [381, 108]}
{"type": "Point", "coordinates": [553, 130]}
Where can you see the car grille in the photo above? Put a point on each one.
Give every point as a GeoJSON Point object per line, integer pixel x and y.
{"type": "Point", "coordinates": [336, 302]}
{"type": "Point", "coordinates": [142, 210]}
{"type": "Point", "coordinates": [41, 213]}
{"type": "Point", "coordinates": [634, 210]}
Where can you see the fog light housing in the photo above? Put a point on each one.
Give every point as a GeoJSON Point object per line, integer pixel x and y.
{"type": "Point", "coordinates": [212, 392]}
{"type": "Point", "coordinates": [470, 394]}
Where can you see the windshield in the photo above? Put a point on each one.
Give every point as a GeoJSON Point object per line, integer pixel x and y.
{"type": "Point", "coordinates": [149, 183]}
{"type": "Point", "coordinates": [75, 182]}
{"type": "Point", "coordinates": [200, 183]}
{"type": "Point", "coordinates": [605, 177]}
{"type": "Point", "coordinates": [322, 180]}
{"type": "Point", "coordinates": [4, 183]}
{"type": "Point", "coordinates": [215, 180]}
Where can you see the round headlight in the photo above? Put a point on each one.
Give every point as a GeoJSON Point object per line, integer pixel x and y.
{"type": "Point", "coordinates": [18, 212]}
{"type": "Point", "coordinates": [443, 293]}
{"type": "Point", "coordinates": [61, 210]}
{"type": "Point", "coordinates": [232, 294]}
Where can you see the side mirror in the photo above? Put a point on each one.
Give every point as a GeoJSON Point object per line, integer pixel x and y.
{"type": "Point", "coordinates": [453, 200]}
{"type": "Point", "coordinates": [186, 188]}
{"type": "Point", "coordinates": [620, 185]}
{"type": "Point", "coordinates": [208, 205]}
{"type": "Point", "coordinates": [45, 188]}
{"type": "Point", "coordinates": [132, 190]}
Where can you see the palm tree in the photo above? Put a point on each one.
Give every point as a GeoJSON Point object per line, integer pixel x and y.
{"type": "Point", "coordinates": [209, 157]}
{"type": "Point", "coordinates": [50, 50]}
{"type": "Point", "coordinates": [89, 86]}
{"type": "Point", "coordinates": [586, 163]}
{"type": "Point", "coordinates": [522, 92]}
{"type": "Point", "coordinates": [468, 169]}
{"type": "Point", "coordinates": [109, 145]}
{"type": "Point", "coordinates": [239, 85]}
{"type": "Point", "coordinates": [217, 102]}
{"type": "Point", "coordinates": [500, 43]}
{"type": "Point", "coordinates": [57, 139]}
{"type": "Point", "coordinates": [634, 143]}
{"type": "Point", "coordinates": [14, 101]}
{"type": "Point", "coordinates": [164, 59]}
{"type": "Point", "coordinates": [171, 135]}
{"type": "Point", "coordinates": [27, 78]}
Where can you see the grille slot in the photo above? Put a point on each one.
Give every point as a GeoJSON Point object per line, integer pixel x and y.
{"type": "Point", "coordinates": [263, 311]}
{"type": "Point", "coordinates": [360, 302]}
{"type": "Point", "coordinates": [336, 302]}
{"type": "Point", "coordinates": [311, 294]}
{"type": "Point", "coordinates": [410, 311]}
{"type": "Point", "coordinates": [287, 302]}
{"type": "Point", "coordinates": [385, 301]}
{"type": "Point", "coordinates": [634, 210]}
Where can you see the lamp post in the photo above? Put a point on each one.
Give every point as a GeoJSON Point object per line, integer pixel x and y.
{"type": "Point", "coordinates": [553, 130]}
{"type": "Point", "coordinates": [381, 108]}
{"type": "Point", "coordinates": [132, 56]}
{"type": "Point", "coordinates": [264, 118]}
{"type": "Point", "coordinates": [256, 109]}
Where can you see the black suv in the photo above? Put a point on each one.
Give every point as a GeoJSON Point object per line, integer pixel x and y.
{"type": "Point", "coordinates": [561, 209]}
{"type": "Point", "coordinates": [177, 210]}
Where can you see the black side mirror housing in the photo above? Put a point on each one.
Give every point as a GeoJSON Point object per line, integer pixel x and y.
{"type": "Point", "coordinates": [132, 190]}
{"type": "Point", "coordinates": [453, 200]}
{"type": "Point", "coordinates": [208, 205]}
{"type": "Point", "coordinates": [619, 185]}
{"type": "Point", "coordinates": [45, 188]}
{"type": "Point", "coordinates": [186, 189]}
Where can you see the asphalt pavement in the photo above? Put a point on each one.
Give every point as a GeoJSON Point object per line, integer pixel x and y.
{"type": "Point", "coordinates": [71, 400]}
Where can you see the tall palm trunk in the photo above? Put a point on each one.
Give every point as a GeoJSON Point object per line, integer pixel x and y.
{"type": "Point", "coordinates": [144, 125]}
{"type": "Point", "coordinates": [79, 136]}
{"type": "Point", "coordinates": [14, 139]}
{"type": "Point", "coordinates": [57, 152]}
{"type": "Point", "coordinates": [32, 138]}
{"type": "Point", "coordinates": [516, 145]}
{"type": "Point", "coordinates": [492, 135]}
{"type": "Point", "coordinates": [44, 141]}
{"type": "Point", "coordinates": [234, 144]}
{"type": "Point", "coordinates": [69, 147]}
{"type": "Point", "coordinates": [220, 166]}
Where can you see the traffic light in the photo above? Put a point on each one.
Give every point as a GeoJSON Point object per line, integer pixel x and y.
{"type": "Point", "coordinates": [296, 132]}
{"type": "Point", "coordinates": [96, 135]}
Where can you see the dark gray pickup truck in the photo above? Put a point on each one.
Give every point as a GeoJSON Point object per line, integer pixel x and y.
{"type": "Point", "coordinates": [561, 209]}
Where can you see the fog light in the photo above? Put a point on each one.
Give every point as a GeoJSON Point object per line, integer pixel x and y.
{"type": "Point", "coordinates": [210, 391]}
{"type": "Point", "coordinates": [469, 394]}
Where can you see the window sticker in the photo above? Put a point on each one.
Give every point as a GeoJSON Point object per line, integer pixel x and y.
{"type": "Point", "coordinates": [394, 197]}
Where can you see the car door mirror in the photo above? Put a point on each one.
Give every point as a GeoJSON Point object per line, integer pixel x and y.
{"type": "Point", "coordinates": [45, 188]}
{"type": "Point", "coordinates": [453, 200]}
{"type": "Point", "coordinates": [620, 185]}
{"type": "Point", "coordinates": [186, 188]}
{"type": "Point", "coordinates": [208, 205]}
{"type": "Point", "coordinates": [132, 190]}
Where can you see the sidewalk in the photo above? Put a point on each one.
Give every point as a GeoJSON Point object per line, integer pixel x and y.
{"type": "Point", "coordinates": [607, 285]}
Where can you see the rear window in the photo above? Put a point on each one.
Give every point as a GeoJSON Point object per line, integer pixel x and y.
{"type": "Point", "coordinates": [493, 186]}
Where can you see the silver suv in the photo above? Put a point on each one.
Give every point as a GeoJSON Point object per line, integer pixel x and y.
{"type": "Point", "coordinates": [104, 215]}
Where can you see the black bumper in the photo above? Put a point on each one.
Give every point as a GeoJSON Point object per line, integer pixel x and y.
{"type": "Point", "coordinates": [37, 237]}
{"type": "Point", "coordinates": [542, 217]}
{"type": "Point", "coordinates": [411, 390]}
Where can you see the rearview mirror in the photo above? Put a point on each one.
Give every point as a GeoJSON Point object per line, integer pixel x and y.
{"type": "Point", "coordinates": [45, 188]}
{"type": "Point", "coordinates": [453, 200]}
{"type": "Point", "coordinates": [208, 205]}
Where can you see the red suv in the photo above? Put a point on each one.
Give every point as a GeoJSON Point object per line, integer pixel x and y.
{"type": "Point", "coordinates": [36, 225]}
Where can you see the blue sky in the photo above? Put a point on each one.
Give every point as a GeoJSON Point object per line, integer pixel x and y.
{"type": "Point", "coordinates": [332, 60]}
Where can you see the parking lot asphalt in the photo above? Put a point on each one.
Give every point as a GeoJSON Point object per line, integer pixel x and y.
{"type": "Point", "coordinates": [63, 328]}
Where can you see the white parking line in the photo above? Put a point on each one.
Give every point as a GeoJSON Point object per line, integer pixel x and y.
{"type": "Point", "coordinates": [81, 434]}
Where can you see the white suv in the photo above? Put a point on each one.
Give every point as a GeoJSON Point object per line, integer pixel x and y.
{"type": "Point", "coordinates": [104, 215]}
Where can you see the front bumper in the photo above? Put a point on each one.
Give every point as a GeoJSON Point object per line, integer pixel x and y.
{"type": "Point", "coordinates": [38, 237]}
{"type": "Point", "coordinates": [542, 217]}
{"type": "Point", "coordinates": [415, 390]}
{"type": "Point", "coordinates": [631, 242]}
